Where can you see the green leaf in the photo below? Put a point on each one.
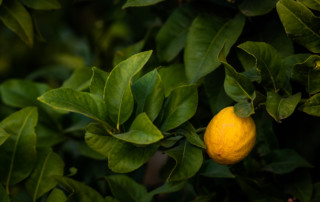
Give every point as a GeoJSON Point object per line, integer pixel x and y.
{"type": "Point", "coordinates": [117, 93]}
{"type": "Point", "coordinates": [17, 19]}
{"type": "Point", "coordinates": [284, 161]}
{"type": "Point", "coordinates": [191, 135]}
{"type": "Point", "coordinates": [188, 161]}
{"type": "Point", "coordinates": [256, 7]}
{"type": "Point", "coordinates": [169, 142]}
{"type": "Point", "coordinates": [280, 108]}
{"type": "Point", "coordinates": [313, 4]}
{"type": "Point", "coordinates": [173, 76]}
{"type": "Point", "coordinates": [237, 86]}
{"type": "Point", "coordinates": [124, 188]}
{"type": "Point", "coordinates": [18, 153]}
{"type": "Point", "coordinates": [79, 80]}
{"type": "Point", "coordinates": [316, 192]}
{"type": "Point", "coordinates": [149, 93]}
{"type": "Point", "coordinates": [42, 4]}
{"type": "Point", "coordinates": [41, 181]}
{"type": "Point", "coordinates": [3, 136]}
{"type": "Point", "coordinates": [205, 40]}
{"type": "Point", "coordinates": [214, 170]}
{"type": "Point", "coordinates": [300, 186]}
{"type": "Point", "coordinates": [312, 105]}
{"type": "Point", "coordinates": [139, 3]}
{"type": "Point", "coordinates": [268, 63]}
{"type": "Point", "coordinates": [98, 81]}
{"type": "Point", "coordinates": [300, 24]}
{"type": "Point", "coordinates": [79, 192]}
{"type": "Point", "coordinates": [125, 53]}
{"type": "Point", "coordinates": [167, 187]}
{"type": "Point", "coordinates": [308, 74]}
{"type": "Point", "coordinates": [22, 93]}
{"type": "Point", "coordinates": [125, 157]}
{"type": "Point", "coordinates": [56, 195]}
{"type": "Point", "coordinates": [213, 84]}
{"type": "Point", "coordinates": [97, 139]}
{"type": "Point", "coordinates": [179, 107]}
{"type": "Point", "coordinates": [244, 109]}
{"type": "Point", "coordinates": [142, 131]}
{"type": "Point", "coordinates": [4, 197]}
{"type": "Point", "coordinates": [74, 101]}
{"type": "Point", "coordinates": [111, 199]}
{"type": "Point", "coordinates": [48, 136]}
{"type": "Point", "coordinates": [0, 2]}
{"type": "Point", "coordinates": [172, 36]}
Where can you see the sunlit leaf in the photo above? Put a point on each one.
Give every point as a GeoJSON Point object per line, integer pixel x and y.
{"type": "Point", "coordinates": [300, 24]}
{"type": "Point", "coordinates": [14, 15]}
{"type": "Point", "coordinates": [179, 107]}
{"type": "Point", "coordinates": [126, 52]}
{"type": "Point", "coordinates": [191, 135]}
{"type": "Point", "coordinates": [18, 152]}
{"type": "Point", "coordinates": [312, 105]}
{"type": "Point", "coordinates": [149, 93]}
{"type": "Point", "coordinates": [117, 92]}
{"type": "Point", "coordinates": [142, 131]}
{"type": "Point", "coordinates": [56, 195]}
{"type": "Point", "coordinates": [206, 38]}
{"type": "Point", "coordinates": [98, 81]}
{"type": "Point", "coordinates": [79, 80]}
{"type": "Point", "coordinates": [126, 157]}
{"type": "Point", "coordinates": [313, 4]}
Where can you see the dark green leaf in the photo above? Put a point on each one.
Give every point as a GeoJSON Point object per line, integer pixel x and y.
{"type": "Point", "coordinates": [313, 4]}
{"type": "Point", "coordinates": [74, 101]}
{"type": "Point", "coordinates": [300, 24]}
{"type": "Point", "coordinates": [312, 106]}
{"type": "Point", "coordinates": [280, 108]}
{"type": "Point", "coordinates": [124, 188]}
{"type": "Point", "coordinates": [98, 81]}
{"type": "Point", "coordinates": [17, 18]}
{"type": "Point", "coordinates": [169, 142]}
{"type": "Point", "coordinates": [41, 181]}
{"type": "Point", "coordinates": [139, 3]}
{"type": "Point", "coordinates": [117, 95]}
{"type": "Point", "coordinates": [173, 76]}
{"type": "Point", "coordinates": [42, 4]}
{"type": "Point", "coordinates": [4, 197]}
{"type": "Point", "coordinates": [79, 192]}
{"type": "Point", "coordinates": [172, 35]}
{"type": "Point", "coordinates": [79, 80]}
{"type": "Point", "coordinates": [237, 86]}
{"type": "Point", "coordinates": [111, 199]}
{"type": "Point", "coordinates": [47, 136]}
{"type": "Point", "coordinates": [204, 198]}
{"type": "Point", "coordinates": [22, 93]}
{"type": "Point", "coordinates": [56, 195]}
{"type": "Point", "coordinates": [188, 161]}
{"type": "Point", "coordinates": [205, 40]}
{"type": "Point", "coordinates": [316, 192]}
{"type": "Point", "coordinates": [168, 187]}
{"type": "Point", "coordinates": [180, 106]}
{"type": "Point", "coordinates": [218, 99]}
{"type": "Point", "coordinates": [149, 93]}
{"type": "Point", "coordinates": [268, 63]}
{"type": "Point", "coordinates": [125, 53]}
{"type": "Point", "coordinates": [244, 109]}
{"type": "Point", "coordinates": [284, 161]}
{"type": "Point", "coordinates": [308, 74]}
{"type": "Point", "coordinates": [191, 134]}
{"type": "Point", "coordinates": [125, 157]}
{"type": "Point", "coordinates": [300, 186]}
{"type": "Point", "coordinates": [18, 153]}
{"type": "Point", "coordinates": [256, 7]}
{"type": "Point", "coordinates": [214, 170]}
{"type": "Point", "coordinates": [3, 136]}
{"type": "Point", "coordinates": [142, 131]}
{"type": "Point", "coordinates": [97, 139]}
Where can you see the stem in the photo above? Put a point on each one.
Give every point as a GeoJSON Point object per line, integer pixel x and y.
{"type": "Point", "coordinates": [200, 130]}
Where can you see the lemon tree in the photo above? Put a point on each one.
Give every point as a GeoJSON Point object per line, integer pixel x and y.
{"type": "Point", "coordinates": [159, 100]}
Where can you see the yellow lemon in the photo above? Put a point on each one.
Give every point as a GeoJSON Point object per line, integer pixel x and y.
{"type": "Point", "coordinates": [229, 138]}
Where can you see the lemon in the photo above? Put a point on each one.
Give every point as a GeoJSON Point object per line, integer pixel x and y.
{"type": "Point", "coordinates": [229, 138]}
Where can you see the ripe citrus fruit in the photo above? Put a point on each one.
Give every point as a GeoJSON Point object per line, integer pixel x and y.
{"type": "Point", "coordinates": [229, 138]}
